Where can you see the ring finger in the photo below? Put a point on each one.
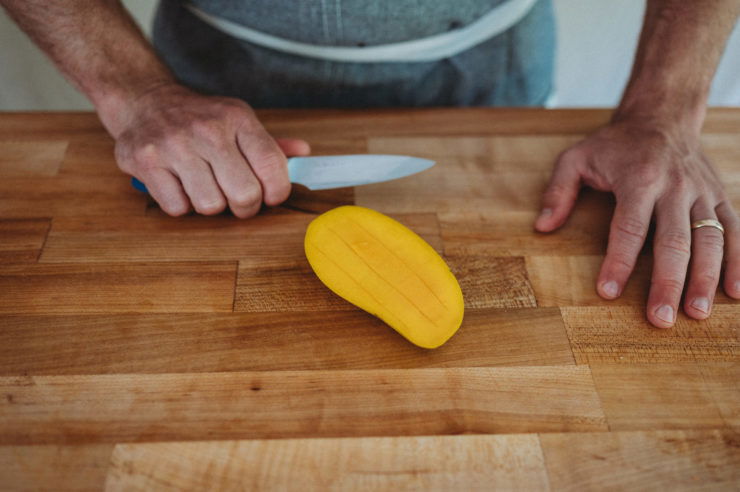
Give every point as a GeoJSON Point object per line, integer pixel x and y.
{"type": "Point", "coordinates": [707, 247]}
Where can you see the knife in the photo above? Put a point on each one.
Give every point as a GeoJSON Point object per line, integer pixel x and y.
{"type": "Point", "coordinates": [339, 171]}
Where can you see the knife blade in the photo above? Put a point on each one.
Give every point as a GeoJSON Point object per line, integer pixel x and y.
{"type": "Point", "coordinates": [339, 171]}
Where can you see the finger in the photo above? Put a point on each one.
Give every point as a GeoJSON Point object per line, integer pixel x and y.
{"type": "Point", "coordinates": [561, 193]}
{"type": "Point", "coordinates": [167, 191]}
{"type": "Point", "coordinates": [293, 147]}
{"type": "Point", "coordinates": [672, 250]}
{"type": "Point", "coordinates": [268, 163]}
{"type": "Point", "coordinates": [200, 185]}
{"type": "Point", "coordinates": [731, 223]}
{"type": "Point", "coordinates": [629, 228]}
{"type": "Point", "coordinates": [707, 249]}
{"type": "Point", "coordinates": [237, 181]}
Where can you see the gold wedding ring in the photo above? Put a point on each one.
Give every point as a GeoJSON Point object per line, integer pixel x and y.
{"type": "Point", "coordinates": [698, 224]}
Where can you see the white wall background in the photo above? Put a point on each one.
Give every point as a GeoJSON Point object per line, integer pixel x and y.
{"type": "Point", "coordinates": [596, 41]}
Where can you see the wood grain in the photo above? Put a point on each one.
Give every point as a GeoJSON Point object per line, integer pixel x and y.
{"type": "Point", "coordinates": [31, 158]}
{"type": "Point", "coordinates": [492, 282]}
{"type": "Point", "coordinates": [276, 234]}
{"type": "Point", "coordinates": [35, 125]}
{"type": "Point", "coordinates": [488, 231]}
{"type": "Point", "coordinates": [643, 461]}
{"type": "Point", "coordinates": [622, 334]}
{"type": "Point", "coordinates": [723, 382]}
{"type": "Point", "coordinates": [266, 285]}
{"type": "Point", "coordinates": [503, 153]}
{"type": "Point", "coordinates": [117, 326]}
{"type": "Point", "coordinates": [519, 153]}
{"type": "Point", "coordinates": [280, 285]}
{"type": "Point", "coordinates": [187, 343]}
{"type": "Point", "coordinates": [446, 188]}
{"type": "Point", "coordinates": [164, 239]}
{"type": "Point", "coordinates": [65, 196]}
{"type": "Point", "coordinates": [317, 124]}
{"type": "Point", "coordinates": [655, 397]}
{"type": "Point", "coordinates": [117, 288]}
{"type": "Point", "coordinates": [91, 157]}
{"type": "Point", "coordinates": [571, 281]}
{"type": "Point", "coordinates": [22, 239]}
{"type": "Point", "coordinates": [54, 467]}
{"type": "Point", "coordinates": [723, 151]}
{"type": "Point", "coordinates": [386, 463]}
{"type": "Point", "coordinates": [142, 407]}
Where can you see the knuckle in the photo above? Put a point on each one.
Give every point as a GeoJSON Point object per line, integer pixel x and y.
{"type": "Point", "coordinates": [174, 141]}
{"type": "Point", "coordinates": [621, 262]}
{"type": "Point", "coordinates": [247, 120]}
{"type": "Point", "coordinates": [238, 110]}
{"type": "Point", "coordinates": [712, 241]}
{"type": "Point", "coordinates": [648, 177]}
{"type": "Point", "coordinates": [670, 285]}
{"type": "Point", "coordinates": [631, 229]}
{"type": "Point", "coordinates": [676, 242]}
{"type": "Point", "coordinates": [147, 155]}
{"type": "Point", "coordinates": [678, 182]}
{"type": "Point", "coordinates": [249, 198]}
{"type": "Point", "coordinates": [705, 279]}
{"type": "Point", "coordinates": [246, 213]}
{"type": "Point", "coordinates": [175, 209]}
{"type": "Point", "coordinates": [648, 181]}
{"type": "Point", "coordinates": [268, 161]}
{"type": "Point", "coordinates": [558, 190]}
{"type": "Point", "coordinates": [208, 130]}
{"type": "Point", "coordinates": [210, 207]}
{"type": "Point", "coordinates": [278, 194]}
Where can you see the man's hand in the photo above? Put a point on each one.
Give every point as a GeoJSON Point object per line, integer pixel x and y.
{"type": "Point", "coordinates": [650, 157]}
{"type": "Point", "coordinates": [653, 172]}
{"type": "Point", "coordinates": [202, 153]}
{"type": "Point", "coordinates": [191, 151]}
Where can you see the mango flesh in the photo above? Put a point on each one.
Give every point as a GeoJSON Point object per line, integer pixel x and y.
{"type": "Point", "coordinates": [383, 267]}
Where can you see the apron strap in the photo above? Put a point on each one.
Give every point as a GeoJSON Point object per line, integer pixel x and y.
{"type": "Point", "coordinates": [431, 48]}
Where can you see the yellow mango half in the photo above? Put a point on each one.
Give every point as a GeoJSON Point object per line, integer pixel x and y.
{"type": "Point", "coordinates": [383, 267]}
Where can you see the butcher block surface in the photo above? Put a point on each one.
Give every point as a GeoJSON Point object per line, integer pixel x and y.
{"type": "Point", "coordinates": [144, 352]}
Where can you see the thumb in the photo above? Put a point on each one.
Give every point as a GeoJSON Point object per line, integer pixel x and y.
{"type": "Point", "coordinates": [293, 146]}
{"type": "Point", "coordinates": [561, 193]}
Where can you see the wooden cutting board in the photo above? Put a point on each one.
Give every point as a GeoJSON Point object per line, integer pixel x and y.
{"type": "Point", "coordinates": [143, 352]}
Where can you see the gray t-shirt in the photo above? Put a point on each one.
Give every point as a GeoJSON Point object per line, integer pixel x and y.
{"type": "Point", "coordinates": [511, 69]}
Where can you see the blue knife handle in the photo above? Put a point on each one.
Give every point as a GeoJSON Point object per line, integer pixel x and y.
{"type": "Point", "coordinates": [139, 185]}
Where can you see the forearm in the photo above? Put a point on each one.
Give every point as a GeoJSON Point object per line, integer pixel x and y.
{"type": "Point", "coordinates": [679, 49]}
{"type": "Point", "coordinates": [98, 47]}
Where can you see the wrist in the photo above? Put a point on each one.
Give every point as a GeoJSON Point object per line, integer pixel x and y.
{"type": "Point", "coordinates": [680, 115]}
{"type": "Point", "coordinates": [117, 106]}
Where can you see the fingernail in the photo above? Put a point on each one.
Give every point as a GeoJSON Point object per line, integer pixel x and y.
{"type": "Point", "coordinates": [701, 303]}
{"type": "Point", "coordinates": [737, 287]}
{"type": "Point", "coordinates": [544, 215]}
{"type": "Point", "coordinates": [665, 313]}
{"type": "Point", "coordinates": [610, 288]}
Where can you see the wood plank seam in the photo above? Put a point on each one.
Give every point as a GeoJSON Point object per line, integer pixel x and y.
{"type": "Point", "coordinates": [598, 397]}
{"type": "Point", "coordinates": [570, 342]}
{"type": "Point", "coordinates": [236, 283]}
{"type": "Point", "coordinates": [544, 460]}
{"type": "Point", "coordinates": [717, 403]}
{"type": "Point", "coordinates": [46, 237]}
